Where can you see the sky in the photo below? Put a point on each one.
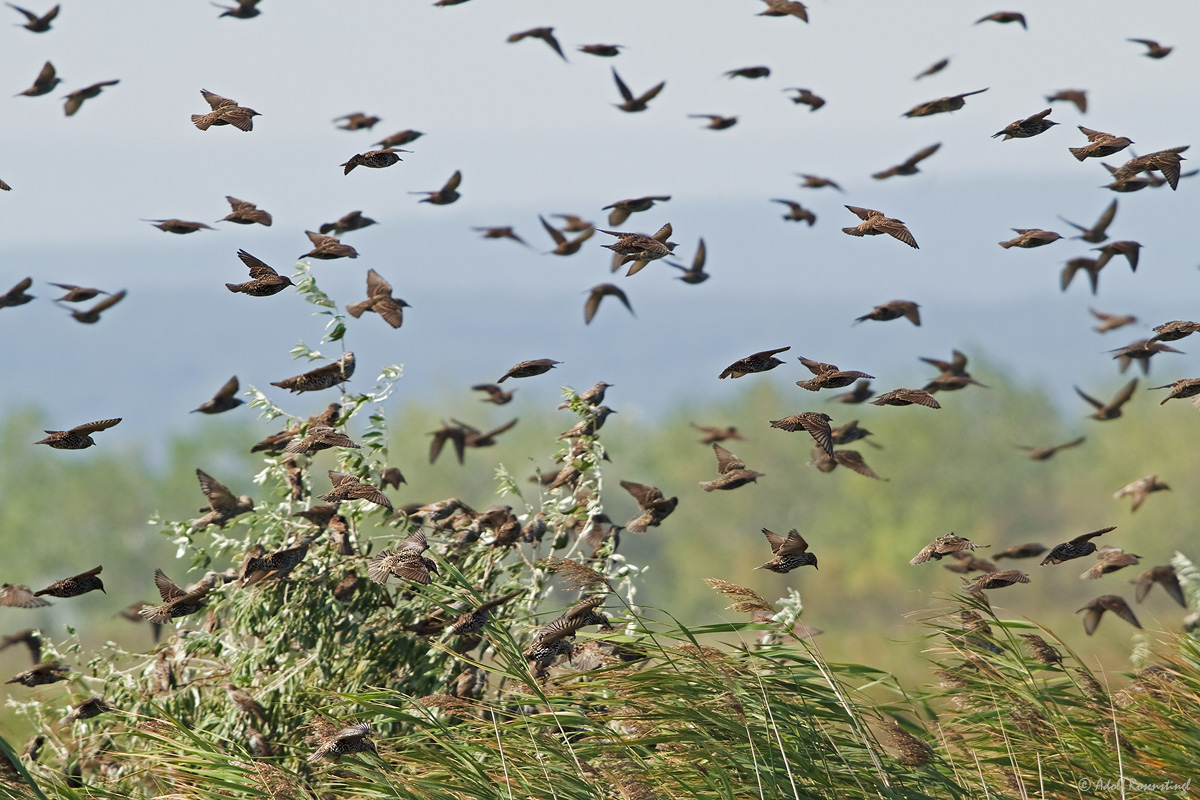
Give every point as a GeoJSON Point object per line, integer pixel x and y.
{"type": "Point", "coordinates": [533, 135]}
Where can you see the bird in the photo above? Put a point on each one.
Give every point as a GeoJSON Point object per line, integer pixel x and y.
{"type": "Point", "coordinates": [259, 566]}
{"type": "Point", "coordinates": [909, 165]}
{"type": "Point", "coordinates": [399, 138]}
{"type": "Point", "coordinates": [1098, 232]}
{"type": "Point", "coordinates": [828, 376]}
{"type": "Point", "coordinates": [714, 433]}
{"type": "Point", "coordinates": [42, 674]}
{"type": "Point", "coordinates": [906, 397]}
{"type": "Point", "coordinates": [76, 585]}
{"type": "Point", "coordinates": [850, 432]}
{"type": "Point", "coordinates": [92, 315]}
{"type": "Point", "coordinates": [598, 293]}
{"type": "Point", "coordinates": [1074, 265]}
{"type": "Point", "coordinates": [762, 361]}
{"type": "Point", "coordinates": [4, 187]}
{"type": "Point", "coordinates": [806, 97]}
{"type": "Point", "coordinates": [245, 703]}
{"type": "Point", "coordinates": [357, 121]}
{"type": "Point", "coordinates": [44, 83]}
{"type": "Point", "coordinates": [327, 247]}
{"type": "Point", "coordinates": [602, 50]}
{"type": "Point", "coordinates": [380, 300]}
{"type": "Point", "coordinates": [589, 425]}
{"type": "Point", "coordinates": [505, 232]}
{"type": "Point", "coordinates": [1165, 161]}
{"type": "Point", "coordinates": [406, 562]}
{"type": "Point", "coordinates": [1082, 545]}
{"type": "Point", "coordinates": [350, 222]}
{"type": "Point", "coordinates": [320, 378]}
{"type": "Point", "coordinates": [348, 487]}
{"type": "Point", "coordinates": [392, 476]}
{"type": "Point", "coordinates": [654, 505]}
{"type": "Point", "coordinates": [639, 248]}
{"type": "Point", "coordinates": [633, 104]}
{"type": "Point", "coordinates": [264, 281]}
{"type": "Point", "coordinates": [31, 639]}
{"type": "Point", "coordinates": [875, 223]}
{"type": "Point", "coordinates": [1027, 550]}
{"type": "Point", "coordinates": [1106, 602]}
{"type": "Point", "coordinates": [1153, 48]}
{"type": "Point", "coordinates": [1141, 351]}
{"type": "Point", "coordinates": [374, 159]}
{"type": "Point", "coordinates": [1126, 248]}
{"type": "Point", "coordinates": [996, 580]}
{"type": "Point", "coordinates": [177, 601]}
{"type": "Point", "coordinates": [1099, 145]}
{"type": "Point", "coordinates": [333, 742]}
{"type": "Point", "coordinates": [224, 112]}
{"type": "Point", "coordinates": [861, 393]}
{"type": "Point", "coordinates": [813, 423]}
{"type": "Point", "coordinates": [1140, 489]}
{"type": "Point", "coordinates": [789, 553]}
{"type": "Point", "coordinates": [785, 8]}
{"type": "Point", "coordinates": [797, 212]}
{"type": "Point", "coordinates": [473, 437]}
{"type": "Point", "coordinates": [1025, 128]}
{"type": "Point", "coordinates": [850, 459]}
{"type": "Point", "coordinates": [245, 9]}
{"type": "Point", "coordinates": [1181, 389]}
{"type": "Point", "coordinates": [695, 273]}
{"type": "Point", "coordinates": [245, 213]}
{"type": "Point", "coordinates": [179, 226]}
{"type": "Point", "coordinates": [19, 596]}
{"type": "Point", "coordinates": [562, 245]}
{"type": "Point", "coordinates": [1174, 330]}
{"type": "Point", "coordinates": [318, 438]}
{"type": "Point", "coordinates": [1004, 17]}
{"type": "Point", "coordinates": [1110, 322]}
{"type": "Point", "coordinates": [1044, 452]}
{"type": "Point", "coordinates": [92, 707]}
{"type": "Point", "coordinates": [593, 397]}
{"type": "Point", "coordinates": [527, 369]}
{"type": "Point", "coordinates": [894, 309]}
{"type": "Point", "coordinates": [1030, 237]}
{"type": "Point", "coordinates": [445, 195]}
{"type": "Point", "coordinates": [495, 394]}
{"type": "Point", "coordinates": [1164, 576]}
{"type": "Point", "coordinates": [222, 505]}
{"type": "Point", "coordinates": [932, 69]}
{"type": "Point", "coordinates": [1076, 96]}
{"type": "Point", "coordinates": [941, 547]}
{"type": "Point", "coordinates": [77, 438]}
{"type": "Point", "coordinates": [33, 21]}
{"type": "Point", "coordinates": [817, 182]}
{"type": "Point", "coordinates": [619, 211]}
{"type": "Point", "coordinates": [545, 34]}
{"type": "Point", "coordinates": [941, 105]}
{"type": "Point", "coordinates": [716, 122]}
{"type": "Point", "coordinates": [749, 72]}
{"type": "Point", "coordinates": [16, 295]}
{"type": "Point", "coordinates": [574, 223]}
{"type": "Point", "coordinates": [732, 471]}
{"type": "Point", "coordinates": [1111, 409]}
{"type": "Point", "coordinates": [1109, 559]}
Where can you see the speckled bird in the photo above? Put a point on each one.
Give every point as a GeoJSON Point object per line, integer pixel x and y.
{"type": "Point", "coordinates": [654, 505]}
{"type": "Point", "coordinates": [42, 674]}
{"type": "Point", "coordinates": [762, 361]}
{"type": "Point", "coordinates": [790, 553]}
{"type": "Point", "coordinates": [333, 742]}
{"type": "Point", "coordinates": [92, 707]}
{"type": "Point", "coordinates": [77, 438]}
{"type": "Point", "coordinates": [813, 423]}
{"type": "Point", "coordinates": [941, 105]}
{"type": "Point", "coordinates": [1030, 237]}
{"type": "Point", "coordinates": [639, 248]}
{"type": "Point", "coordinates": [224, 112]}
{"type": "Point", "coordinates": [1028, 127]}
{"type": "Point", "coordinates": [996, 580]}
{"type": "Point", "coordinates": [828, 376]}
{"type": "Point", "coordinates": [243, 212]}
{"type": "Point", "coordinates": [264, 281]}
{"type": "Point", "coordinates": [75, 585]}
{"type": "Point", "coordinates": [1181, 389]}
{"type": "Point", "coordinates": [320, 378]}
{"type": "Point", "coordinates": [527, 369]}
{"type": "Point", "coordinates": [406, 562]}
{"type": "Point", "coordinates": [177, 602]}
{"type": "Point", "coordinates": [1100, 144]}
{"type": "Point", "coordinates": [850, 459]}
{"type": "Point", "coordinates": [348, 487]}
{"type": "Point", "coordinates": [941, 547]}
{"type": "Point", "coordinates": [1109, 559]}
{"type": "Point", "coordinates": [373, 159]}
{"type": "Point", "coordinates": [876, 222]}
{"type": "Point", "coordinates": [1082, 545]}
{"type": "Point", "coordinates": [589, 425]}
{"type": "Point", "coordinates": [1165, 161]}
{"type": "Point", "coordinates": [732, 471]}
{"type": "Point", "coordinates": [222, 505]}
{"type": "Point", "coordinates": [906, 397]}
{"type": "Point", "coordinates": [380, 300]}
{"type": "Point", "coordinates": [320, 437]}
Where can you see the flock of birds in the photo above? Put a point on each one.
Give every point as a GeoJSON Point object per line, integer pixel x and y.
{"type": "Point", "coordinates": [635, 251]}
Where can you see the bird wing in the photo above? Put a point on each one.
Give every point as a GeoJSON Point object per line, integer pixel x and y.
{"type": "Point", "coordinates": [923, 154]}
{"type": "Point", "coordinates": [456, 178]}
{"type": "Point", "coordinates": [554, 232]}
{"type": "Point", "coordinates": [218, 494]}
{"type": "Point", "coordinates": [92, 427]}
{"type": "Point", "coordinates": [1122, 397]}
{"type": "Point", "coordinates": [864, 213]}
{"type": "Point", "coordinates": [166, 587]}
{"type": "Point", "coordinates": [227, 391]}
{"type": "Point", "coordinates": [651, 93]}
{"type": "Point", "coordinates": [376, 285]}
{"type": "Point", "coordinates": [106, 304]}
{"type": "Point", "coordinates": [621, 87]}
{"type": "Point", "coordinates": [726, 461]}
{"type": "Point", "coordinates": [645, 495]}
{"type": "Point", "coordinates": [258, 269]}
{"type": "Point", "coordinates": [215, 101]}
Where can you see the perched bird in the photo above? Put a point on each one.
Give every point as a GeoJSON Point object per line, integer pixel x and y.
{"type": "Point", "coordinates": [602, 50]}
{"type": "Point", "coordinates": [357, 121]}
{"type": "Point", "coordinates": [717, 434]}
{"type": "Point", "coordinates": [42, 674]}
{"type": "Point", "coordinates": [598, 293]}
{"type": "Point", "coordinates": [320, 378]}
{"type": "Point", "coordinates": [894, 309]}
{"type": "Point", "coordinates": [1045, 452]}
{"type": "Point", "coordinates": [527, 369]}
{"type": "Point", "coordinates": [505, 232]}
{"type": "Point", "coordinates": [592, 397]}
{"type": "Point", "coordinates": [814, 423]}
{"type": "Point", "coordinates": [562, 245]}
{"type": "Point", "coordinates": [320, 437]}
{"type": "Point", "coordinates": [749, 72]}
{"type": "Point", "coordinates": [909, 165]}
{"type": "Point", "coordinates": [906, 397]}
{"type": "Point", "coordinates": [245, 213]}
{"type": "Point", "coordinates": [1164, 576]}
{"type": "Point", "coordinates": [224, 112]}
{"type": "Point", "coordinates": [589, 425]}
{"type": "Point", "coordinates": [222, 505]}
{"type": "Point", "coordinates": [790, 553]}
{"type": "Point", "coordinates": [817, 182]}
{"type": "Point", "coordinates": [1099, 145]}
{"type": "Point", "coordinates": [16, 295]}
{"type": "Point", "coordinates": [445, 195]}
{"type": "Point", "coordinates": [732, 471]}
{"type": "Point", "coordinates": [828, 376]}
{"type": "Point", "coordinates": [861, 393]}
{"type": "Point", "coordinates": [1028, 550]}
{"type": "Point", "coordinates": [1181, 389]}
{"type": "Point", "coordinates": [264, 281]}
{"type": "Point", "coordinates": [655, 507]}
{"type": "Point", "coordinates": [1098, 232]}
{"type": "Point", "coordinates": [1025, 128]}
{"type": "Point", "coordinates": [943, 546]}
{"type": "Point", "coordinates": [875, 222]}
{"type": "Point", "coordinates": [1082, 545]}
{"type": "Point", "coordinates": [785, 8]}
{"type": "Point", "coordinates": [695, 273]}
{"type": "Point", "coordinates": [1106, 602]}
{"type": "Point", "coordinates": [1030, 237]}
{"type": "Point", "coordinates": [797, 212]}
{"type": "Point", "coordinates": [762, 361]}
{"type": "Point", "coordinates": [77, 438]}
{"type": "Point", "coordinates": [1076, 96]}
{"type": "Point", "coordinates": [933, 69]}
{"type": "Point", "coordinates": [806, 97]}
{"type": "Point", "coordinates": [348, 487]}
{"type": "Point", "coordinates": [1165, 161]}
{"type": "Point", "coordinates": [374, 159]}
{"type": "Point", "coordinates": [545, 34]}
{"type": "Point", "coordinates": [350, 222]}
{"type": "Point", "coordinates": [76, 585]}
{"type": "Point", "coordinates": [1109, 559]}
{"type": "Point", "coordinates": [996, 580]}
{"type": "Point", "coordinates": [1140, 489]}
{"type": "Point", "coordinates": [400, 138]}
{"type": "Point", "coordinates": [245, 703]}
{"type": "Point", "coordinates": [850, 459]}
{"type": "Point", "coordinates": [1110, 322]}
{"type": "Point", "coordinates": [177, 602]}
{"type": "Point", "coordinates": [179, 226]}
{"type": "Point", "coordinates": [1174, 330]}
{"type": "Point", "coordinates": [405, 562]}
{"type": "Point", "coordinates": [619, 211]}
{"type": "Point", "coordinates": [1141, 351]}
{"type": "Point", "coordinates": [941, 105]}
{"type": "Point", "coordinates": [1004, 17]}
{"type": "Point", "coordinates": [495, 394]}
{"type": "Point", "coordinates": [44, 83]}
{"type": "Point", "coordinates": [1153, 48]}
{"type": "Point", "coordinates": [716, 122]}
{"type": "Point", "coordinates": [380, 300]}
{"type": "Point", "coordinates": [19, 596]}
{"type": "Point", "coordinates": [245, 9]}
{"type": "Point", "coordinates": [333, 742]}
{"type": "Point", "coordinates": [33, 21]}
{"type": "Point", "coordinates": [75, 99]}
{"type": "Point", "coordinates": [1088, 265]}
{"type": "Point", "coordinates": [1111, 409]}
{"type": "Point", "coordinates": [1129, 249]}
{"type": "Point", "coordinates": [33, 642]}
{"type": "Point", "coordinates": [633, 104]}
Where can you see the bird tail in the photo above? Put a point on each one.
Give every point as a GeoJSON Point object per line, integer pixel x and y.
{"type": "Point", "coordinates": [1080, 153]}
{"type": "Point", "coordinates": [201, 121]}
{"type": "Point", "coordinates": [1007, 245]}
{"type": "Point", "coordinates": [356, 309]}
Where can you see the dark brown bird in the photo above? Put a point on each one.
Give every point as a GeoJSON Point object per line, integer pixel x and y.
{"type": "Point", "coordinates": [1028, 550]}
{"type": "Point", "coordinates": [4, 187]}
{"type": "Point", "coordinates": [619, 211]}
{"type": "Point", "coordinates": [941, 105]}
{"type": "Point", "coordinates": [16, 295]}
{"type": "Point", "coordinates": [562, 245]}
{"type": "Point", "coordinates": [850, 459]}
{"type": "Point", "coordinates": [472, 622]}
{"type": "Point", "coordinates": [1153, 48]}
{"type": "Point", "coordinates": [639, 248]}
{"type": "Point", "coordinates": [797, 212]}
{"type": "Point", "coordinates": [180, 226]}
{"type": "Point", "coordinates": [44, 83]}
{"type": "Point", "coordinates": [357, 121]}
{"type": "Point", "coordinates": [264, 281]}
{"type": "Point", "coordinates": [348, 487]}
{"type": "Point", "coordinates": [77, 438]}
{"type": "Point", "coordinates": [76, 294]}
{"type": "Point", "coordinates": [1082, 545]}
{"type": "Point", "coordinates": [245, 9]}
{"type": "Point", "coordinates": [33, 21]}
{"type": "Point", "coordinates": [716, 122]}
{"type": "Point", "coordinates": [405, 562]}
{"type": "Point", "coordinates": [19, 596]}
{"type": "Point", "coordinates": [374, 159]}
{"type": "Point", "coordinates": [762, 361]}
{"type": "Point", "coordinates": [320, 378]}
{"type": "Point", "coordinates": [1110, 322]}
{"type": "Point", "coordinates": [749, 72]}
{"type": "Point", "coordinates": [177, 602]}
{"type": "Point", "coordinates": [1098, 232]}
{"type": "Point", "coordinates": [222, 505]}
{"type": "Point", "coordinates": [350, 222]}
{"type": "Point", "coordinates": [574, 223]}
{"type": "Point", "coordinates": [941, 547]}
{"type": "Point", "coordinates": [1164, 575]}
{"type": "Point", "coordinates": [894, 309]}
{"type": "Point", "coordinates": [1099, 145]}
{"type": "Point", "coordinates": [909, 165]}
{"type": "Point", "coordinates": [495, 394]}
{"type": "Point", "coordinates": [861, 393]}
{"type": "Point", "coordinates": [1165, 161]}
{"type": "Point", "coordinates": [589, 425]}
{"type": "Point", "coordinates": [806, 97]}
{"type": "Point", "coordinates": [1030, 237]}
{"type": "Point", "coordinates": [732, 471]}
{"type": "Point", "coordinates": [957, 365]}
{"type": "Point", "coordinates": [380, 300]}
{"type": "Point", "coordinates": [633, 104]}
{"type": "Point", "coordinates": [473, 437]}
{"type": "Point", "coordinates": [245, 213]}
{"type": "Point", "coordinates": [817, 182]}
{"type": "Point", "coordinates": [1088, 265]}
{"type": "Point", "coordinates": [965, 563]}
{"type": "Point", "coordinates": [695, 273]}
{"type": "Point", "coordinates": [717, 434]}
{"type": "Point", "coordinates": [828, 376]}
{"type": "Point", "coordinates": [33, 642]}
{"type": "Point", "coordinates": [602, 50]}
{"type": "Point", "coordinates": [527, 369]}
{"type": "Point", "coordinates": [592, 397]}
{"type": "Point", "coordinates": [75, 99]}
{"type": "Point", "coordinates": [790, 553]}
{"type": "Point", "coordinates": [655, 507]}
{"type": "Point", "coordinates": [1111, 409]}
{"type": "Point", "coordinates": [76, 585]}
{"type": "Point", "coordinates": [445, 195]}
{"type": "Point", "coordinates": [1025, 128]}
{"type": "Point", "coordinates": [875, 222]}
{"type": "Point", "coordinates": [92, 315]}
{"type": "Point", "coordinates": [1004, 17]}
{"type": "Point", "coordinates": [1181, 389]}
{"type": "Point", "coordinates": [1045, 452]}
{"type": "Point", "coordinates": [333, 742]}
{"type": "Point", "coordinates": [598, 293]}
{"type": "Point", "coordinates": [996, 580]}
{"type": "Point", "coordinates": [785, 8]}
{"type": "Point", "coordinates": [906, 397]}
{"type": "Point", "coordinates": [392, 476]}
{"type": "Point", "coordinates": [1174, 330]}
{"type": "Point", "coordinates": [224, 112]}
{"type": "Point", "coordinates": [545, 34]}
{"type": "Point", "coordinates": [447, 433]}
{"type": "Point", "coordinates": [92, 707]}
{"type": "Point", "coordinates": [1141, 351]}
{"type": "Point", "coordinates": [850, 432]}
{"type": "Point", "coordinates": [320, 437]}
{"type": "Point", "coordinates": [933, 69]}
{"type": "Point", "coordinates": [258, 567]}
{"type": "Point", "coordinates": [505, 232]}
{"type": "Point", "coordinates": [1126, 248]}
{"type": "Point", "coordinates": [1106, 602]}
{"type": "Point", "coordinates": [42, 674]}
{"type": "Point", "coordinates": [1076, 96]}
{"type": "Point", "coordinates": [1140, 489]}
{"type": "Point", "coordinates": [1108, 560]}
{"type": "Point", "coordinates": [245, 703]}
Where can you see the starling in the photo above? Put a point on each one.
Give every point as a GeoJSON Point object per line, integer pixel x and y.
{"type": "Point", "coordinates": [714, 434]}
{"type": "Point", "coordinates": [333, 743]}
{"type": "Point", "coordinates": [633, 104]}
{"type": "Point", "coordinates": [33, 21]}
{"type": "Point", "coordinates": [4, 187]}
{"type": "Point", "coordinates": [495, 394]}
{"type": "Point", "coordinates": [814, 423]}
{"type": "Point", "coordinates": [74, 586]}
{"type": "Point", "coordinates": [245, 703]}
{"type": "Point", "coordinates": [75, 99]}
{"type": "Point", "coordinates": [1004, 17]}
{"type": "Point", "coordinates": [716, 122]}
{"type": "Point", "coordinates": [392, 476]}
{"type": "Point", "coordinates": [797, 212]}
{"type": "Point", "coordinates": [1164, 575]}
{"type": "Point", "coordinates": [1188, 387]}
{"type": "Point", "coordinates": [545, 34]}
{"type": "Point", "coordinates": [762, 361]}
{"type": "Point", "coordinates": [861, 393]}
{"type": "Point", "coordinates": [850, 459]}
{"type": "Point", "coordinates": [275, 442]}
{"type": "Point", "coordinates": [1025, 128]}
{"type": "Point", "coordinates": [1045, 452]}
{"type": "Point", "coordinates": [224, 112]}
{"type": "Point", "coordinates": [1099, 145]}
{"type": "Point", "coordinates": [965, 563]}
{"type": "Point", "coordinates": [850, 432]}
{"type": "Point", "coordinates": [655, 507]}
{"type": "Point", "coordinates": [589, 425]}
{"type": "Point", "coordinates": [245, 213]}
{"type": "Point", "coordinates": [1028, 550]}
{"type": "Point", "coordinates": [320, 378]}
{"type": "Point", "coordinates": [1112, 409]}
{"type": "Point", "coordinates": [1164, 161]}
{"type": "Point", "coordinates": [785, 8]}
{"type": "Point", "coordinates": [941, 105]}
{"type": "Point", "coordinates": [259, 566]}
{"type": "Point", "coordinates": [1153, 48]}
{"type": "Point", "coordinates": [447, 194]}
{"type": "Point", "coordinates": [602, 50]}
{"type": "Point", "coordinates": [875, 222]}
{"type": "Point", "coordinates": [264, 281]}
{"type": "Point", "coordinates": [527, 369]}
{"type": "Point", "coordinates": [695, 273]}
{"type": "Point", "coordinates": [357, 121]}
{"type": "Point", "coordinates": [1076, 96]}
{"type": "Point", "coordinates": [941, 547]}
{"type": "Point", "coordinates": [909, 165]}
{"type": "Point", "coordinates": [16, 295]}
{"type": "Point", "coordinates": [177, 602]}
{"type": "Point", "coordinates": [598, 293]}
{"type": "Point", "coordinates": [574, 223]}
{"type": "Point", "coordinates": [473, 437]}
{"type": "Point", "coordinates": [346, 587]}
{"type": "Point", "coordinates": [894, 309]}
{"type": "Point", "coordinates": [1106, 602]}
{"type": "Point", "coordinates": [996, 580]}
{"type": "Point", "coordinates": [77, 438]}
{"type": "Point", "coordinates": [562, 245]}
{"type": "Point", "coordinates": [471, 622]}
{"type": "Point", "coordinates": [732, 471]}
{"type": "Point", "coordinates": [749, 72]}
{"type": "Point", "coordinates": [1140, 489]}
{"type": "Point", "coordinates": [19, 596]}
{"type": "Point", "coordinates": [906, 397]}
{"type": "Point", "coordinates": [1110, 322]}
{"type": "Point", "coordinates": [505, 232]}
{"type": "Point", "coordinates": [1098, 232]}
{"type": "Point", "coordinates": [828, 376]}
{"type": "Point", "coordinates": [320, 437]}
{"type": "Point", "coordinates": [350, 222]}
{"type": "Point", "coordinates": [44, 83]}
{"type": "Point", "coordinates": [1088, 265]}
{"type": "Point", "coordinates": [380, 300]}
{"type": "Point", "coordinates": [1078, 547]}
{"type": "Point", "coordinates": [348, 487]}
{"type": "Point", "coordinates": [400, 138]}
{"type": "Point", "coordinates": [790, 553]}
{"type": "Point", "coordinates": [639, 248]}
{"type": "Point", "coordinates": [46, 672]}
{"type": "Point", "coordinates": [92, 315]}
{"type": "Point", "coordinates": [1141, 351]}
{"type": "Point", "coordinates": [957, 365]}
{"type": "Point", "coordinates": [375, 159]}
{"type": "Point", "coordinates": [806, 97]}
{"type": "Point", "coordinates": [33, 642]}
{"type": "Point", "coordinates": [947, 382]}
{"type": "Point", "coordinates": [245, 9]}
{"type": "Point", "coordinates": [447, 433]}
{"type": "Point", "coordinates": [1030, 237]}
{"type": "Point", "coordinates": [817, 182]}
{"type": "Point", "coordinates": [76, 294]}
{"type": "Point", "coordinates": [1109, 559]}
{"type": "Point", "coordinates": [179, 226]}
{"type": "Point", "coordinates": [406, 562]}
{"type": "Point", "coordinates": [1128, 249]}
{"type": "Point", "coordinates": [593, 396]}
{"type": "Point", "coordinates": [92, 707]}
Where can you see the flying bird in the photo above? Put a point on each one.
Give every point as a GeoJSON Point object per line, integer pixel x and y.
{"type": "Point", "coordinates": [562, 245]}
{"type": "Point", "coordinates": [875, 223]}
{"type": "Point", "coordinates": [717, 433]}
{"type": "Point", "coordinates": [906, 397]}
{"type": "Point", "coordinates": [1181, 389]}
{"type": "Point", "coordinates": [639, 248]}
{"type": "Point", "coordinates": [320, 378]}
{"type": "Point", "coordinates": [1140, 489]}
{"type": "Point", "coordinates": [1130, 250]}
{"type": "Point", "coordinates": [33, 21]}
{"type": "Point", "coordinates": [76, 585]}
{"type": "Point", "coordinates": [813, 423]}
{"type": "Point", "coordinates": [16, 296]}
{"type": "Point", "coordinates": [406, 562]}
{"type": "Point", "coordinates": [1141, 351]}
{"type": "Point", "coordinates": [797, 212]}
{"type": "Point", "coordinates": [1164, 576]}
{"type": "Point", "coordinates": [92, 315]}
{"type": "Point", "coordinates": [761, 361]}
{"type": "Point", "coordinates": [716, 122]}
{"type": "Point", "coordinates": [619, 211]}
{"type": "Point", "coordinates": [894, 309]}
{"type": "Point", "coordinates": [245, 213]}
{"type": "Point", "coordinates": [527, 369]}
{"type": "Point", "coordinates": [1111, 322]}
{"type": "Point", "coordinates": [373, 159]}
{"type": "Point", "coordinates": [1082, 545]}
{"type": "Point", "coordinates": [732, 471]}
{"type": "Point", "coordinates": [348, 487]}
{"type": "Point", "coordinates": [79, 437]}
{"type": "Point", "coordinates": [1004, 17]}
{"type": "Point", "coordinates": [505, 232]}
{"type": "Point", "coordinates": [1025, 128]}
{"type": "Point", "coordinates": [75, 99]}
{"type": "Point", "coordinates": [495, 394]}
{"type": "Point", "coordinates": [349, 222]}
{"type": "Point", "coordinates": [264, 281]}
{"type": "Point", "coordinates": [785, 8]}
{"type": "Point", "coordinates": [598, 293]}
{"type": "Point", "coordinates": [1153, 48]}
{"type": "Point", "coordinates": [909, 165]}
{"type": "Point", "coordinates": [42, 674]}
{"type": "Point", "coordinates": [602, 50]}
{"type": "Point", "coordinates": [806, 97]}
{"type": "Point", "coordinates": [222, 505]}
{"type": "Point", "coordinates": [1074, 265]}
{"type": "Point", "coordinates": [1030, 237]}
{"type": "Point", "coordinates": [941, 547]}
{"type": "Point", "coordinates": [44, 83]}
{"type": "Point", "coordinates": [445, 195]}
{"type": "Point", "coordinates": [327, 247]}
{"type": "Point", "coordinates": [357, 121]}
{"type": "Point", "coordinates": [1174, 330]}
{"type": "Point", "coordinates": [633, 104]}
{"type": "Point", "coordinates": [245, 9]}
{"type": "Point", "coordinates": [19, 596]}
{"type": "Point", "coordinates": [320, 437]}
{"type": "Point", "coordinates": [380, 300]}
{"type": "Point", "coordinates": [179, 226]}
{"type": "Point", "coordinates": [1044, 452]}
{"type": "Point", "coordinates": [850, 459]}
{"type": "Point", "coordinates": [941, 105]}
{"type": "Point", "coordinates": [177, 601]}
{"type": "Point", "coordinates": [933, 69]}
{"type": "Point", "coordinates": [223, 400]}
{"type": "Point", "coordinates": [861, 393]}
{"type": "Point", "coordinates": [1109, 559]}
{"type": "Point", "coordinates": [789, 553]}
{"type": "Point", "coordinates": [749, 72]}
{"type": "Point", "coordinates": [817, 182]}
{"type": "Point", "coordinates": [1099, 145]}
{"type": "Point", "coordinates": [1099, 231]}
{"type": "Point", "coordinates": [545, 34]}
{"type": "Point", "coordinates": [695, 273]}
{"type": "Point", "coordinates": [224, 112]}
{"type": "Point", "coordinates": [1107, 602]}
{"type": "Point", "coordinates": [654, 505]}
{"type": "Point", "coordinates": [1076, 96]}
{"type": "Point", "coordinates": [828, 376]}
{"type": "Point", "coordinates": [1111, 409]}
{"type": "Point", "coordinates": [1165, 161]}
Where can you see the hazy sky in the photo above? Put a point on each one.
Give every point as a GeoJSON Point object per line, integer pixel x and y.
{"type": "Point", "coordinates": [532, 135]}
